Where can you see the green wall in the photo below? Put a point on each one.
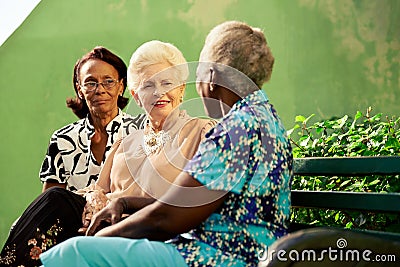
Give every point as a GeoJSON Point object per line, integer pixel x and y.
{"type": "Point", "coordinates": [332, 58]}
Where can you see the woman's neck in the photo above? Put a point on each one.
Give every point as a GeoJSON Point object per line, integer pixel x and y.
{"type": "Point", "coordinates": [159, 123]}
{"type": "Point", "coordinates": [100, 121]}
{"type": "Point", "coordinates": [99, 139]}
{"type": "Point", "coordinates": [155, 125]}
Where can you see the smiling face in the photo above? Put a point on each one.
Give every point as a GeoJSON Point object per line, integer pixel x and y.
{"type": "Point", "coordinates": [102, 101]}
{"type": "Point", "coordinates": [159, 92]}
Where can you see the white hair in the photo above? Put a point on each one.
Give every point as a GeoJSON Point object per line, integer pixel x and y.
{"type": "Point", "coordinates": [242, 47]}
{"type": "Point", "coordinates": [155, 52]}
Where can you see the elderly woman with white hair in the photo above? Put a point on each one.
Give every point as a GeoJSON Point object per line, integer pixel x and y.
{"type": "Point", "coordinates": [234, 193]}
{"type": "Point", "coordinates": [141, 166]}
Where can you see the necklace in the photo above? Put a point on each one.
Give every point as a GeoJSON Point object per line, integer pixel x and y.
{"type": "Point", "coordinates": [154, 141]}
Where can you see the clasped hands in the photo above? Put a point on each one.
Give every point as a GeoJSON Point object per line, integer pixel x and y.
{"type": "Point", "coordinates": [100, 212]}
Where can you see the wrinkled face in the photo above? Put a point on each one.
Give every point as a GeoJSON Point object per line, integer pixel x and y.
{"type": "Point", "coordinates": [100, 98]}
{"type": "Point", "coordinates": [159, 91]}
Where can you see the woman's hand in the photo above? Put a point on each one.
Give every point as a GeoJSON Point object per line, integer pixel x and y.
{"type": "Point", "coordinates": [182, 208]}
{"type": "Point", "coordinates": [87, 215]}
{"type": "Point", "coordinates": [111, 214]}
{"type": "Point", "coordinates": [96, 200]}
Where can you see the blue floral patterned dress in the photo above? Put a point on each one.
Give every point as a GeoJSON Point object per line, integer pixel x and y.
{"type": "Point", "coordinates": [248, 154]}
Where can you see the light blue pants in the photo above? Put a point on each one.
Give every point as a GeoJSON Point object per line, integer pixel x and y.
{"type": "Point", "coordinates": [111, 251]}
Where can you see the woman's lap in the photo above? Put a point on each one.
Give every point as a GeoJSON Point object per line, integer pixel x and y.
{"type": "Point", "coordinates": [51, 218]}
{"type": "Point", "coordinates": [55, 203]}
{"type": "Point", "coordinates": [112, 251]}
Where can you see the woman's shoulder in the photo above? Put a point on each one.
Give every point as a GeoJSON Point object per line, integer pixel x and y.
{"type": "Point", "coordinates": [196, 122]}
{"type": "Point", "coordinates": [71, 128]}
{"type": "Point", "coordinates": [198, 126]}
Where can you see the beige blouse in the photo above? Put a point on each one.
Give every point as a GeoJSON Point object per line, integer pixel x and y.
{"type": "Point", "coordinates": [129, 171]}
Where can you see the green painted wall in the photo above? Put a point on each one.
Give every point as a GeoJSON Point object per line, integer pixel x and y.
{"type": "Point", "coordinates": [332, 58]}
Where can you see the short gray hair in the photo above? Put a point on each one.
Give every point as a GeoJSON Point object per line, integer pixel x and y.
{"type": "Point", "coordinates": [155, 52]}
{"type": "Point", "coordinates": [242, 47]}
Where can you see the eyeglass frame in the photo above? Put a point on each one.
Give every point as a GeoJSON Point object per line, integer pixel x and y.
{"type": "Point", "coordinates": [98, 83]}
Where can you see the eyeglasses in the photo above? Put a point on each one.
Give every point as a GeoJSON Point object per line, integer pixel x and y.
{"type": "Point", "coordinates": [108, 84]}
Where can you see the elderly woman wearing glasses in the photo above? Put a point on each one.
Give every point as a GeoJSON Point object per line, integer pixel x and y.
{"type": "Point", "coordinates": [77, 151]}
{"type": "Point", "coordinates": [141, 166]}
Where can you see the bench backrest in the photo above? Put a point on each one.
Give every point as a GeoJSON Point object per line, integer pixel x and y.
{"type": "Point", "coordinates": [347, 166]}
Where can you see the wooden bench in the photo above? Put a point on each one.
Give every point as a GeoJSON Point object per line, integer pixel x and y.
{"type": "Point", "coordinates": [350, 167]}
{"type": "Point", "coordinates": [318, 239]}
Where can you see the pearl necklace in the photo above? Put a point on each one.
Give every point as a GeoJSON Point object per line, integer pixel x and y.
{"type": "Point", "coordinates": [154, 141]}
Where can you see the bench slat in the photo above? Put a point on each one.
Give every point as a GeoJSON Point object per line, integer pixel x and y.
{"type": "Point", "coordinates": [378, 202]}
{"type": "Point", "coordinates": [347, 166]}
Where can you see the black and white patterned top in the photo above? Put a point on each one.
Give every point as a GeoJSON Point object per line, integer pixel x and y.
{"type": "Point", "coordinates": [69, 158]}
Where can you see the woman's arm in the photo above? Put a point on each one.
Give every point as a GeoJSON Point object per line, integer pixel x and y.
{"type": "Point", "coordinates": [185, 205]}
{"type": "Point", "coordinates": [113, 212]}
{"type": "Point", "coordinates": [52, 171]}
{"type": "Point", "coordinates": [133, 204]}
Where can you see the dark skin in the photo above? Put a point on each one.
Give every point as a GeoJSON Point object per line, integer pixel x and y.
{"type": "Point", "coordinates": [102, 105]}
{"type": "Point", "coordinates": [117, 210]}
{"type": "Point", "coordinates": [99, 140]}
{"type": "Point", "coordinates": [182, 208]}
{"type": "Point", "coordinates": [159, 220]}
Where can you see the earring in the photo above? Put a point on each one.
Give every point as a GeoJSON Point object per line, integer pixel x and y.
{"type": "Point", "coordinates": [211, 79]}
{"type": "Point", "coordinates": [181, 99]}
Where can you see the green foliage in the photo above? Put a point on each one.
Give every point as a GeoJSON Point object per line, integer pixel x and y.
{"type": "Point", "coordinates": [363, 135]}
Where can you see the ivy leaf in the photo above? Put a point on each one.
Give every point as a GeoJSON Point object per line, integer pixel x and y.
{"type": "Point", "coordinates": [305, 141]}
{"type": "Point", "coordinates": [377, 181]}
{"type": "Point", "coordinates": [318, 129]}
{"type": "Point", "coordinates": [337, 216]}
{"type": "Point", "coordinates": [358, 115]}
{"type": "Point", "coordinates": [392, 143]}
{"type": "Point", "coordinates": [345, 183]}
{"type": "Point", "coordinates": [340, 122]}
{"type": "Point", "coordinates": [302, 119]}
{"type": "Point", "coordinates": [299, 118]}
{"type": "Point", "coordinates": [363, 135]}
{"type": "Point", "coordinates": [349, 225]}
